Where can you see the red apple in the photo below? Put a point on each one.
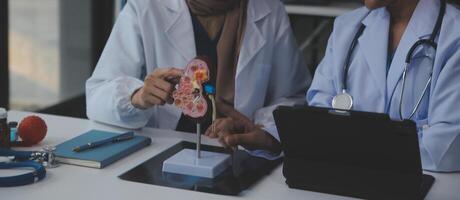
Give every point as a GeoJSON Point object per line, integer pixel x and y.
{"type": "Point", "coordinates": [32, 130]}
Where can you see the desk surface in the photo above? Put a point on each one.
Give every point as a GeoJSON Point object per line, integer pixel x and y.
{"type": "Point", "coordinates": [73, 182]}
{"type": "Point", "coordinates": [329, 10]}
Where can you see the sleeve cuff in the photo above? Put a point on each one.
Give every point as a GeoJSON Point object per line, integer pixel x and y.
{"type": "Point", "coordinates": [129, 114]}
{"type": "Point", "coordinates": [273, 131]}
{"type": "Point", "coordinates": [264, 153]}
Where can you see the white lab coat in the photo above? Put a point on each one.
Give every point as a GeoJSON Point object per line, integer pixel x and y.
{"type": "Point", "coordinates": [438, 118]}
{"type": "Point", "coordinates": [158, 33]}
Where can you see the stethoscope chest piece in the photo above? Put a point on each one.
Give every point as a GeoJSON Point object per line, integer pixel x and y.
{"type": "Point", "coordinates": [342, 101]}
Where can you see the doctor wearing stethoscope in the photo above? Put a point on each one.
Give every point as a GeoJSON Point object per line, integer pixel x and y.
{"type": "Point", "coordinates": [400, 57]}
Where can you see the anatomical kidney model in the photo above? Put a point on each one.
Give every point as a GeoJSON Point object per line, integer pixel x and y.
{"type": "Point", "coordinates": [188, 95]}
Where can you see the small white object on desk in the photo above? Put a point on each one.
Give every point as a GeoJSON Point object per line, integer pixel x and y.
{"type": "Point", "coordinates": [196, 162]}
{"type": "Point", "coordinates": [209, 165]}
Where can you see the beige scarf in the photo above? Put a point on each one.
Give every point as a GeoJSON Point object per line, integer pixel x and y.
{"type": "Point", "coordinates": [230, 15]}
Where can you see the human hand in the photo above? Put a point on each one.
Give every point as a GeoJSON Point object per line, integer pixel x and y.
{"type": "Point", "coordinates": [231, 132]}
{"type": "Point", "coordinates": [157, 89]}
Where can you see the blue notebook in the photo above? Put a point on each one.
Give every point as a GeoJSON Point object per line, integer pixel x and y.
{"type": "Point", "coordinates": [101, 156]}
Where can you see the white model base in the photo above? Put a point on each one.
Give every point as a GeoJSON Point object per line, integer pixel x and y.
{"type": "Point", "coordinates": [209, 165]}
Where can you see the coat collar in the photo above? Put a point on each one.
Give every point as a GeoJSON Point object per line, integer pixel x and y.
{"type": "Point", "coordinates": [420, 27]}
{"type": "Point", "coordinates": [374, 45]}
{"type": "Point", "coordinates": [174, 5]}
{"type": "Point", "coordinates": [375, 42]}
{"type": "Point", "coordinates": [179, 30]}
{"type": "Point", "coordinates": [253, 40]}
{"type": "Point", "coordinates": [424, 18]}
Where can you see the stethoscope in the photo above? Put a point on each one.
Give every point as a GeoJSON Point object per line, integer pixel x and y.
{"type": "Point", "coordinates": [36, 160]}
{"type": "Point", "coordinates": [344, 101]}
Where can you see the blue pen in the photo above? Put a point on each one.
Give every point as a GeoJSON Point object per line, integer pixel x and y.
{"type": "Point", "coordinates": [114, 139]}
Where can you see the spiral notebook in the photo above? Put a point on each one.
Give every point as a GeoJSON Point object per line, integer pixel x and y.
{"type": "Point", "coordinates": [101, 156]}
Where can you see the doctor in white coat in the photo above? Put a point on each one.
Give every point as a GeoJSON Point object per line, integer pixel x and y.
{"type": "Point", "coordinates": [150, 36]}
{"type": "Point", "coordinates": [375, 74]}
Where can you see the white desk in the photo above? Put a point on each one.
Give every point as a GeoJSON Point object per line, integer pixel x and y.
{"type": "Point", "coordinates": [73, 182]}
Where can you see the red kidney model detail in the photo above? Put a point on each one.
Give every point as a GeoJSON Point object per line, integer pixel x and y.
{"type": "Point", "coordinates": [188, 95]}
{"type": "Point", "coordinates": [32, 130]}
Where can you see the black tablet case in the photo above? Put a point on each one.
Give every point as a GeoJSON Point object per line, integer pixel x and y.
{"type": "Point", "coordinates": [350, 153]}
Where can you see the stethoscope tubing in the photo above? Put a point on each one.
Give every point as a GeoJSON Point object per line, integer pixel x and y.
{"type": "Point", "coordinates": [430, 42]}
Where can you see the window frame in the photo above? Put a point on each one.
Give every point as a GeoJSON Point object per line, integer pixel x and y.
{"type": "Point", "coordinates": [4, 72]}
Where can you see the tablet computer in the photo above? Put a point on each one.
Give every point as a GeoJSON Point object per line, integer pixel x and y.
{"type": "Point", "coordinates": [351, 153]}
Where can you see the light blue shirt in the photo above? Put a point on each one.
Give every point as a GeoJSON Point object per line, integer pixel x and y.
{"type": "Point", "coordinates": [438, 118]}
